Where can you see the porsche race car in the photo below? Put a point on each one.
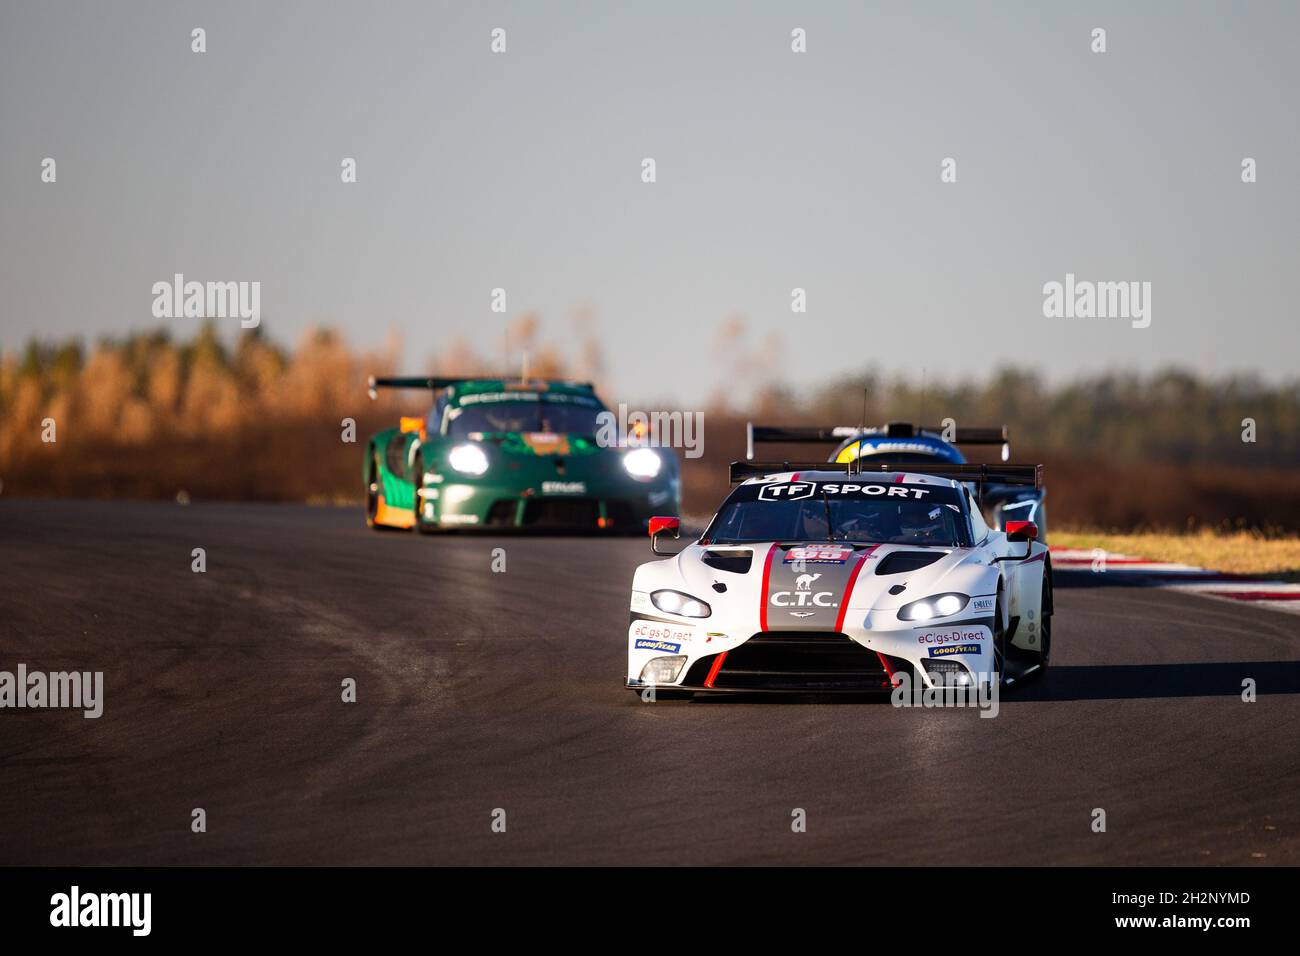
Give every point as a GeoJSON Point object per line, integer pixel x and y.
{"type": "Point", "coordinates": [500, 454]}
{"type": "Point", "coordinates": [923, 445]}
{"type": "Point", "coordinates": [837, 577]}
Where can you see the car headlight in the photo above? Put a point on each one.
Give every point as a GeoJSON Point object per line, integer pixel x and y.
{"type": "Point", "coordinates": [642, 463]}
{"type": "Point", "coordinates": [938, 605]}
{"type": "Point", "coordinates": [675, 602]}
{"type": "Point", "coordinates": [468, 459]}
{"type": "Point", "coordinates": [950, 673]}
{"type": "Point", "coordinates": [662, 670]}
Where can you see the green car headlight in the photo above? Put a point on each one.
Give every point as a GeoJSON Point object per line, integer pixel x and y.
{"type": "Point", "coordinates": [643, 463]}
{"type": "Point", "coordinates": [468, 459]}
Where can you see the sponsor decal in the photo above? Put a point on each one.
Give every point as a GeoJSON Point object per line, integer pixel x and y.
{"type": "Point", "coordinates": [982, 604]}
{"type": "Point", "coordinates": [804, 596]}
{"type": "Point", "coordinates": [459, 519]}
{"type": "Point", "coordinates": [954, 635]}
{"type": "Point", "coordinates": [889, 491]}
{"type": "Point", "coordinates": [546, 443]}
{"type": "Point", "coordinates": [786, 491]}
{"type": "Point", "coordinates": [897, 446]}
{"type": "Point", "coordinates": [804, 599]}
{"type": "Point", "coordinates": [810, 583]}
{"type": "Point", "coordinates": [831, 554]}
{"type": "Point", "coordinates": [564, 487]}
{"type": "Point", "coordinates": [951, 649]}
{"type": "Point", "coordinates": [666, 647]}
{"type": "Point", "coordinates": [796, 490]}
{"type": "Point", "coordinates": [526, 395]}
{"type": "Point", "coordinates": [654, 631]}
{"type": "Point", "coordinates": [640, 601]}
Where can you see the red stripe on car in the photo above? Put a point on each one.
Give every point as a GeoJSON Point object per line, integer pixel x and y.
{"type": "Point", "coordinates": [713, 671]}
{"type": "Point", "coordinates": [762, 607]}
{"type": "Point", "coordinates": [889, 671]}
{"type": "Point", "coordinates": [848, 589]}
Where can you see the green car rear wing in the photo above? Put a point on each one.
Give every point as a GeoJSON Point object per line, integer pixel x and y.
{"type": "Point", "coordinates": [433, 383]}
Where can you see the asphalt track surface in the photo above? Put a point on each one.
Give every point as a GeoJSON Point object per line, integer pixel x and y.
{"type": "Point", "coordinates": [480, 690]}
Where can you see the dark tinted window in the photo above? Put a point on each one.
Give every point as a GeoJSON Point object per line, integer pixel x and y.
{"type": "Point", "coordinates": [571, 415]}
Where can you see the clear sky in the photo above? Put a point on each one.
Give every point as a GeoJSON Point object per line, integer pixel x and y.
{"type": "Point", "coordinates": [775, 170]}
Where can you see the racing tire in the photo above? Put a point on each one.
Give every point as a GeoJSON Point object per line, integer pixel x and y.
{"type": "Point", "coordinates": [372, 491]}
{"type": "Point", "coordinates": [1045, 610]}
{"type": "Point", "coordinates": [999, 642]}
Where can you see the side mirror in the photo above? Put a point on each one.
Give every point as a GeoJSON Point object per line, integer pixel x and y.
{"type": "Point", "coordinates": [1025, 531]}
{"type": "Point", "coordinates": [1022, 531]}
{"type": "Point", "coordinates": [672, 527]}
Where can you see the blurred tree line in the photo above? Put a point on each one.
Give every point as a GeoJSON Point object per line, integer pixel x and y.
{"type": "Point", "coordinates": [147, 415]}
{"type": "Point", "coordinates": [1171, 416]}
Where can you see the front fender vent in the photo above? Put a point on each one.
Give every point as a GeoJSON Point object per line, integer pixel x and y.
{"type": "Point", "coordinates": [900, 562]}
{"type": "Point", "coordinates": [737, 562]}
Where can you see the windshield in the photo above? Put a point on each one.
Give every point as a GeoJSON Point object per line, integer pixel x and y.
{"type": "Point", "coordinates": [842, 511]}
{"type": "Point", "coordinates": [573, 417]}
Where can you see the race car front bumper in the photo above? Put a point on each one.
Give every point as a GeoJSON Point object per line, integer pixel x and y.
{"type": "Point", "coordinates": [586, 506]}
{"type": "Point", "coordinates": [812, 662]}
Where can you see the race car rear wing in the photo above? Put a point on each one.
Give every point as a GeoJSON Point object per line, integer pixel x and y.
{"type": "Point", "coordinates": [436, 382]}
{"type": "Point", "coordinates": [776, 434]}
{"type": "Point", "coordinates": [431, 383]}
{"type": "Point", "coordinates": [1002, 474]}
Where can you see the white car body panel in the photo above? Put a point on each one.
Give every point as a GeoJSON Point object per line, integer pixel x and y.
{"type": "Point", "coordinates": [788, 595]}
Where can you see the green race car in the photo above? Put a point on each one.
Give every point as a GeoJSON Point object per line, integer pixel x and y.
{"type": "Point", "coordinates": [500, 454]}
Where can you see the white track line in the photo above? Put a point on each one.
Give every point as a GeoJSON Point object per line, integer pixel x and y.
{"type": "Point", "coordinates": [1279, 595]}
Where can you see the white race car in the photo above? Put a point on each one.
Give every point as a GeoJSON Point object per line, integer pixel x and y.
{"type": "Point", "coordinates": [832, 577]}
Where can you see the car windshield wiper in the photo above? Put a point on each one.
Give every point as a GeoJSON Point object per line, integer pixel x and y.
{"type": "Point", "coordinates": [830, 526]}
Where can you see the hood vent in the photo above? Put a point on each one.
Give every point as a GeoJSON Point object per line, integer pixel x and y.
{"type": "Point", "coordinates": [902, 561]}
{"type": "Point", "coordinates": [737, 562]}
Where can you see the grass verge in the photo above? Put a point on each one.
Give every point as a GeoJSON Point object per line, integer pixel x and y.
{"type": "Point", "coordinates": [1236, 552]}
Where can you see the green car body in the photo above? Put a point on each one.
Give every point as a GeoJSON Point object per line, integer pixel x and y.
{"type": "Point", "coordinates": [496, 454]}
